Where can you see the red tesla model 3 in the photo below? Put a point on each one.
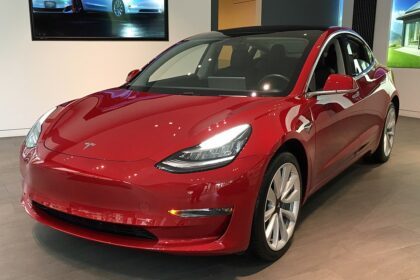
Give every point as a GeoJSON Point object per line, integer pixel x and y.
{"type": "Point", "coordinates": [214, 146]}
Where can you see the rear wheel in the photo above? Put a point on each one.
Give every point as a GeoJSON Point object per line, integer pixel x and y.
{"type": "Point", "coordinates": [277, 208]}
{"type": "Point", "coordinates": [383, 153]}
{"type": "Point", "coordinates": [77, 7]}
{"type": "Point", "coordinates": [118, 8]}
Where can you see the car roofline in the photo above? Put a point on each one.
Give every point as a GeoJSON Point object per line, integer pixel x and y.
{"type": "Point", "coordinates": [258, 30]}
{"type": "Point", "coordinates": [270, 29]}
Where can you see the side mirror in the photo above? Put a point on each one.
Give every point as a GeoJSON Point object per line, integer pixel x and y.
{"type": "Point", "coordinates": [131, 75]}
{"type": "Point", "coordinates": [337, 84]}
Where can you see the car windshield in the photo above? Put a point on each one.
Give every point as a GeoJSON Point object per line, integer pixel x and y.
{"type": "Point", "coordinates": [218, 64]}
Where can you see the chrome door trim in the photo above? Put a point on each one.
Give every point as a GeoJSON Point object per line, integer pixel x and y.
{"type": "Point", "coordinates": [331, 92]}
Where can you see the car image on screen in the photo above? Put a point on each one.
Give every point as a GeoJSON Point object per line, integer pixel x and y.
{"type": "Point", "coordinates": [55, 6]}
{"type": "Point", "coordinates": [119, 8]}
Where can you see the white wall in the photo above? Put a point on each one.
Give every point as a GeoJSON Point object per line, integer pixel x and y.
{"type": "Point", "coordinates": [36, 76]}
{"type": "Point", "coordinates": [407, 80]}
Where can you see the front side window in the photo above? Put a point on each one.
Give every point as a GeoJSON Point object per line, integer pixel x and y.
{"type": "Point", "coordinates": [330, 62]}
{"type": "Point", "coordinates": [358, 56]}
{"type": "Point", "coordinates": [263, 64]}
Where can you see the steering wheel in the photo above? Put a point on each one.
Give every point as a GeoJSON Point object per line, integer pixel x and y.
{"type": "Point", "coordinates": [283, 79]}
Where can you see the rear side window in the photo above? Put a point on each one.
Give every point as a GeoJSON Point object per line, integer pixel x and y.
{"type": "Point", "coordinates": [358, 55]}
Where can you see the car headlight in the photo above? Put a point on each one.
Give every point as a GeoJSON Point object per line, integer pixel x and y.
{"type": "Point", "coordinates": [33, 135]}
{"type": "Point", "coordinates": [215, 152]}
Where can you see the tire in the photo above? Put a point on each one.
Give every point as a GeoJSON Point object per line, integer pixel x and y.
{"type": "Point", "coordinates": [118, 9]}
{"type": "Point", "coordinates": [77, 7]}
{"type": "Point", "coordinates": [285, 165]}
{"type": "Point", "coordinates": [383, 152]}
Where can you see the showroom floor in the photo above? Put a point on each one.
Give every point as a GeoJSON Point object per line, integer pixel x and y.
{"type": "Point", "coordinates": [363, 225]}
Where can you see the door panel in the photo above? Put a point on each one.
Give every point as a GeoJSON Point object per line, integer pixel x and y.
{"type": "Point", "coordinates": [368, 93]}
{"type": "Point", "coordinates": [98, 5]}
{"type": "Point", "coordinates": [370, 79]}
{"type": "Point", "coordinates": [340, 125]}
{"type": "Point", "coordinates": [345, 124]}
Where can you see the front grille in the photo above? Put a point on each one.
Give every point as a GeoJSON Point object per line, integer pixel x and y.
{"type": "Point", "coordinates": [48, 10]}
{"type": "Point", "coordinates": [119, 229]}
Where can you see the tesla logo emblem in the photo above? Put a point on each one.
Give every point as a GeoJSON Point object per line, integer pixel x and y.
{"type": "Point", "coordinates": [89, 145]}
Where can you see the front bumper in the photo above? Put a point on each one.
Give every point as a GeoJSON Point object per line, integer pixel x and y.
{"type": "Point", "coordinates": [57, 6]}
{"type": "Point", "coordinates": [67, 10]}
{"type": "Point", "coordinates": [143, 7]}
{"type": "Point", "coordinates": [138, 195]}
{"type": "Point", "coordinates": [140, 10]}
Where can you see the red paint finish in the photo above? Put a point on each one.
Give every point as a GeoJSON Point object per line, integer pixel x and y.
{"type": "Point", "coordinates": [117, 181]}
{"type": "Point", "coordinates": [132, 75]}
{"type": "Point", "coordinates": [340, 82]}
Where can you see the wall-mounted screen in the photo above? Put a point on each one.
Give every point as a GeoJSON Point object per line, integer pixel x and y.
{"type": "Point", "coordinates": [404, 43]}
{"type": "Point", "coordinates": [99, 19]}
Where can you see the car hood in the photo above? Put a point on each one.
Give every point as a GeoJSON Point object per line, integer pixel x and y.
{"type": "Point", "coordinates": [126, 125]}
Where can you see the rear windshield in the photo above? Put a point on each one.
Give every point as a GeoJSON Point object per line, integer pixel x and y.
{"type": "Point", "coordinates": [254, 65]}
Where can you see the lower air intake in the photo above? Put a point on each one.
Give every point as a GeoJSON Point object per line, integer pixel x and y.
{"type": "Point", "coordinates": [95, 225]}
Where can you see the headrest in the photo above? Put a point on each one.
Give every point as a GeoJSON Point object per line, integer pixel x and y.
{"type": "Point", "coordinates": [240, 58]}
{"type": "Point", "coordinates": [278, 50]}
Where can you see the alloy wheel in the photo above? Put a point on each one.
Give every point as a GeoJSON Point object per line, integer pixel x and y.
{"type": "Point", "coordinates": [389, 131]}
{"type": "Point", "coordinates": [119, 8]}
{"type": "Point", "coordinates": [282, 206]}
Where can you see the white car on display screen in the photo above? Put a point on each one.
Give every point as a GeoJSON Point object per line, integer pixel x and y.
{"type": "Point", "coordinates": [120, 8]}
{"type": "Point", "coordinates": [53, 6]}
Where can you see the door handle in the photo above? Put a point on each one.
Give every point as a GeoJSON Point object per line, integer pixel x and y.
{"type": "Point", "coordinates": [306, 125]}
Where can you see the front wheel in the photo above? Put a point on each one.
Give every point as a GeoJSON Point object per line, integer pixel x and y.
{"type": "Point", "coordinates": [383, 153]}
{"type": "Point", "coordinates": [277, 208]}
{"type": "Point", "coordinates": [118, 8]}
